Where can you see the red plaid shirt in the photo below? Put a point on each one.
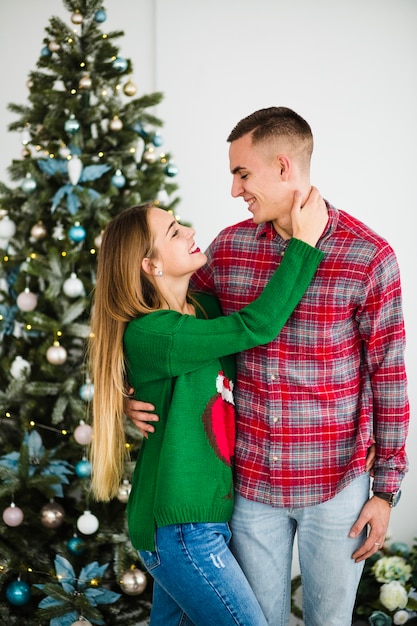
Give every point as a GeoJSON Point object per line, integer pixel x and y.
{"type": "Point", "coordinates": [310, 402]}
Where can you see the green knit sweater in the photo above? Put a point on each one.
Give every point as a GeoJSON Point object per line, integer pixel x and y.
{"type": "Point", "coordinates": [184, 365]}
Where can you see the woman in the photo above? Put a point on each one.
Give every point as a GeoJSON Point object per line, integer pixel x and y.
{"type": "Point", "coordinates": [177, 349]}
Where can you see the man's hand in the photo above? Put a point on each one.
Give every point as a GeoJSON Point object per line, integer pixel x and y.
{"type": "Point", "coordinates": [140, 413]}
{"type": "Point", "coordinates": [370, 459]}
{"type": "Point", "coordinates": [376, 512]}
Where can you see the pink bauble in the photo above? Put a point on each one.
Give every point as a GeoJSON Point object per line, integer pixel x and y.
{"type": "Point", "coordinates": [83, 434]}
{"type": "Point", "coordinates": [13, 516]}
{"type": "Point", "coordinates": [56, 355]}
{"type": "Point", "coordinates": [27, 301]}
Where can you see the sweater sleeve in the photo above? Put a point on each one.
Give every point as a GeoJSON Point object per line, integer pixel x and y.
{"type": "Point", "coordinates": [174, 344]}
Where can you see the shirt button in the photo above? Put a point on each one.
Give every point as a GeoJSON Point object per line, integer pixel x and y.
{"type": "Point", "coordinates": [273, 377]}
{"type": "Point", "coordinates": [275, 458]}
{"type": "Point", "coordinates": [275, 419]}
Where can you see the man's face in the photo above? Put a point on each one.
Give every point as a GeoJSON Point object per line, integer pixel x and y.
{"type": "Point", "coordinates": [257, 178]}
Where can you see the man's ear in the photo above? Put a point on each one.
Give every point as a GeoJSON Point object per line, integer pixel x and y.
{"type": "Point", "coordinates": [284, 166]}
{"type": "Point", "coordinates": [148, 267]}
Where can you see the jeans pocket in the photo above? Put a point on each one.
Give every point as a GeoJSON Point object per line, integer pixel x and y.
{"type": "Point", "coordinates": [150, 559]}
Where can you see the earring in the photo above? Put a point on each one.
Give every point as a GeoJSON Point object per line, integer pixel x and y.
{"type": "Point", "coordinates": [160, 273]}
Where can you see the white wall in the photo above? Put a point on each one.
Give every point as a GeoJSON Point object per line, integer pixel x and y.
{"type": "Point", "coordinates": [347, 66]}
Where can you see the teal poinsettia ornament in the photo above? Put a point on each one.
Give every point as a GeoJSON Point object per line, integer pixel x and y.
{"type": "Point", "coordinates": [74, 596]}
{"type": "Point", "coordinates": [34, 461]}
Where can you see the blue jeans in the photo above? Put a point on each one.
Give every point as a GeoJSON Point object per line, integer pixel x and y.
{"type": "Point", "coordinates": [262, 542]}
{"type": "Point", "coordinates": [197, 580]}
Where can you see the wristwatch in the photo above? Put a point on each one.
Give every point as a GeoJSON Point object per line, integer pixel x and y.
{"type": "Point", "coordinates": [391, 497]}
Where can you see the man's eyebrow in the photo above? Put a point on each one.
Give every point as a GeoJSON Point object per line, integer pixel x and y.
{"type": "Point", "coordinates": [170, 226]}
{"type": "Point", "coordinates": [238, 169]}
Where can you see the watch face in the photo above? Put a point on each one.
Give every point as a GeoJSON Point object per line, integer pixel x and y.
{"type": "Point", "coordinates": [395, 498]}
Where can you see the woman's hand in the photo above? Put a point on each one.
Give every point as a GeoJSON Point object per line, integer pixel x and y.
{"type": "Point", "coordinates": [140, 413]}
{"type": "Point", "coordinates": [309, 221]}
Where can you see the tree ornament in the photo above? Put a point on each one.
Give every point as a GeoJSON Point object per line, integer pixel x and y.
{"type": "Point", "coordinates": [83, 469]}
{"type": "Point", "coordinates": [52, 515]}
{"type": "Point", "coordinates": [120, 64]}
{"type": "Point", "coordinates": [77, 232]}
{"type": "Point", "coordinates": [18, 593]}
{"type": "Point", "coordinates": [85, 82]}
{"type": "Point", "coordinates": [98, 240]}
{"type": "Point", "coordinates": [20, 368]}
{"type": "Point", "coordinates": [72, 125]}
{"type": "Point", "coordinates": [7, 228]}
{"type": "Point", "coordinates": [100, 16]}
{"type": "Point", "coordinates": [116, 123]}
{"type": "Point", "coordinates": [81, 622]}
{"type": "Point", "coordinates": [171, 170]}
{"type": "Point", "coordinates": [73, 287]}
{"type": "Point", "coordinates": [38, 231]}
{"type": "Point", "coordinates": [54, 46]}
{"type": "Point", "coordinates": [150, 155]}
{"type": "Point", "coordinates": [13, 516]}
{"type": "Point", "coordinates": [87, 523]}
{"type": "Point", "coordinates": [26, 300]}
{"type": "Point", "coordinates": [25, 152]}
{"type": "Point", "coordinates": [162, 197]}
{"type": "Point", "coordinates": [25, 139]}
{"type": "Point", "coordinates": [56, 354]}
{"type": "Point", "coordinates": [58, 232]}
{"type": "Point", "coordinates": [45, 52]}
{"type": "Point", "coordinates": [157, 139]}
{"type": "Point", "coordinates": [130, 88]}
{"type": "Point", "coordinates": [83, 434]}
{"type": "Point", "coordinates": [124, 491]}
{"type": "Point", "coordinates": [133, 581]}
{"type": "Point", "coordinates": [28, 185]}
{"type": "Point", "coordinates": [118, 180]}
{"type": "Point", "coordinates": [87, 391]}
{"type": "Point", "coordinates": [75, 168]}
{"type": "Point", "coordinates": [77, 18]}
{"type": "Point", "coordinates": [76, 545]}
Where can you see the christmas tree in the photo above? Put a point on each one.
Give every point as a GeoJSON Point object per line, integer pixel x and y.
{"type": "Point", "coordinates": [90, 148]}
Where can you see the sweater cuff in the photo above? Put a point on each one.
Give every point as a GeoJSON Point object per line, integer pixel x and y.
{"type": "Point", "coordinates": [305, 250]}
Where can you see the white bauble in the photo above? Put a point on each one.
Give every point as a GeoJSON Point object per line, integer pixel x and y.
{"type": "Point", "coordinates": [73, 287]}
{"type": "Point", "coordinates": [7, 228]}
{"type": "Point", "coordinates": [20, 368]}
{"type": "Point", "coordinates": [87, 523]}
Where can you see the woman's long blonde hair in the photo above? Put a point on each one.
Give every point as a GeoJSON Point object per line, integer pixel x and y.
{"type": "Point", "coordinates": [123, 291]}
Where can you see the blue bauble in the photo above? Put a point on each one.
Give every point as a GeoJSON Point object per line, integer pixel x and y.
{"type": "Point", "coordinates": [77, 233]}
{"type": "Point", "coordinates": [83, 469]}
{"type": "Point", "coordinates": [157, 140]}
{"type": "Point", "coordinates": [118, 180]}
{"type": "Point", "coordinates": [100, 16]}
{"type": "Point", "coordinates": [171, 170]}
{"type": "Point", "coordinates": [28, 185]}
{"type": "Point", "coordinates": [72, 126]}
{"type": "Point", "coordinates": [18, 593]}
{"type": "Point", "coordinates": [120, 64]}
{"type": "Point", "coordinates": [87, 392]}
{"type": "Point", "coordinates": [76, 545]}
{"type": "Point", "coordinates": [45, 52]}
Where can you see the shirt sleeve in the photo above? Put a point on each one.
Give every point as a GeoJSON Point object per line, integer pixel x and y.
{"type": "Point", "coordinates": [176, 344]}
{"type": "Point", "coordinates": [382, 328]}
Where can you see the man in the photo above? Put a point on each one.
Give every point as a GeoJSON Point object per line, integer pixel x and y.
{"type": "Point", "coordinates": [310, 403]}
